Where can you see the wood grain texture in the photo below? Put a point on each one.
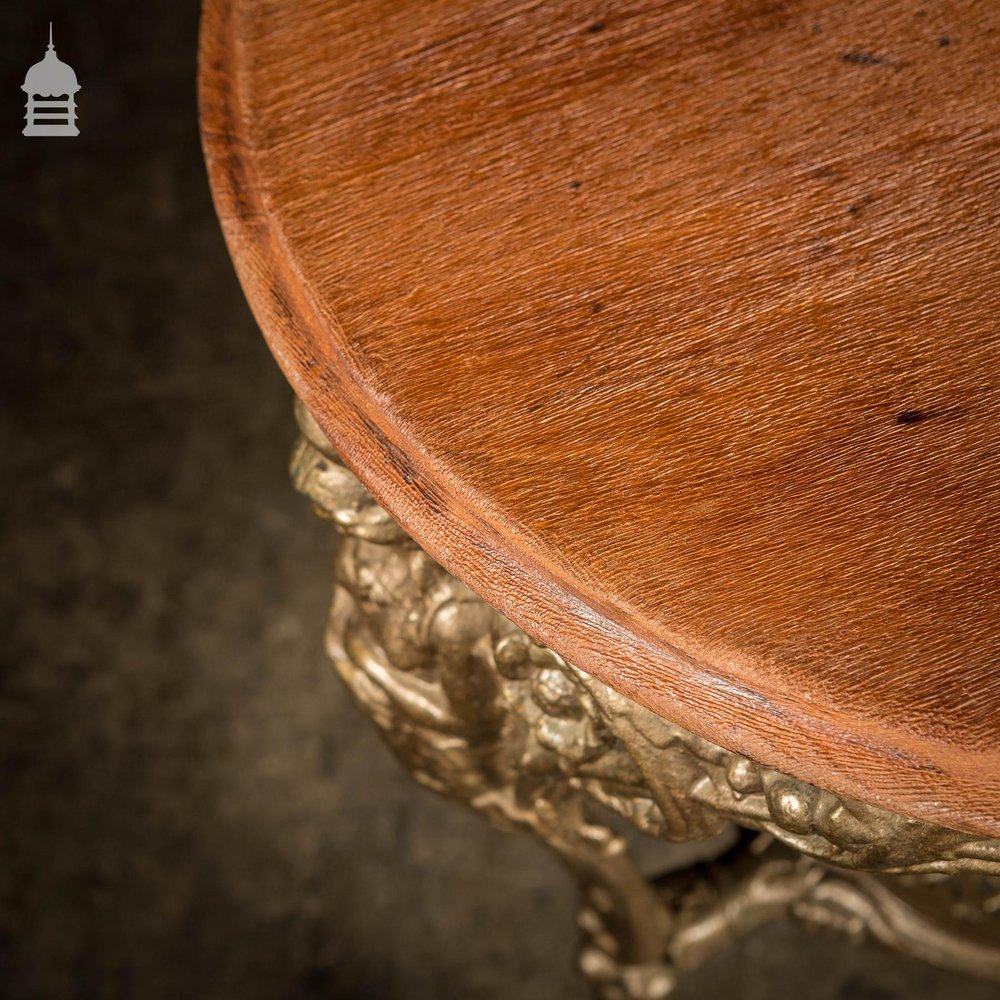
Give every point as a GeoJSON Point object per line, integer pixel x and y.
{"type": "Point", "coordinates": [671, 328]}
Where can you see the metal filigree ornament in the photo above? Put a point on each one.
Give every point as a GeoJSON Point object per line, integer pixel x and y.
{"type": "Point", "coordinates": [477, 710]}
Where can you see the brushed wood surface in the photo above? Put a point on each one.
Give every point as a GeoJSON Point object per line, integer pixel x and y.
{"type": "Point", "coordinates": [671, 328]}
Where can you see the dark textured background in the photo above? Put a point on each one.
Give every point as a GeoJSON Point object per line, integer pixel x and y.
{"type": "Point", "coordinates": [190, 807]}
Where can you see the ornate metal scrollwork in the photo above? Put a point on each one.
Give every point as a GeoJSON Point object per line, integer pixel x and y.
{"type": "Point", "coordinates": [477, 710]}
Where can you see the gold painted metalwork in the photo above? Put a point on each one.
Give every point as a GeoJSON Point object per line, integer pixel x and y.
{"type": "Point", "coordinates": [477, 710]}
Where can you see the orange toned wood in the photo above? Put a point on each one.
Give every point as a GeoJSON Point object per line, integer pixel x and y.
{"type": "Point", "coordinates": [671, 328]}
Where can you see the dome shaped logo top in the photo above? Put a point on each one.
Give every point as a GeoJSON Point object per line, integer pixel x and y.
{"type": "Point", "coordinates": [51, 86]}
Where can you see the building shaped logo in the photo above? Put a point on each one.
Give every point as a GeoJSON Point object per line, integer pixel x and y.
{"type": "Point", "coordinates": [51, 88]}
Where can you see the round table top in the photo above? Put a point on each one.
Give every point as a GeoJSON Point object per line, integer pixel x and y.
{"type": "Point", "coordinates": [671, 329]}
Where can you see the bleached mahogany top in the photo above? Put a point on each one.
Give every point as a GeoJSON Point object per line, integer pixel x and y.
{"type": "Point", "coordinates": [671, 328]}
